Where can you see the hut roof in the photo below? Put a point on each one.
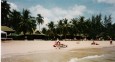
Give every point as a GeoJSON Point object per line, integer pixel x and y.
{"type": "Point", "coordinates": [5, 28]}
{"type": "Point", "coordinates": [36, 32]}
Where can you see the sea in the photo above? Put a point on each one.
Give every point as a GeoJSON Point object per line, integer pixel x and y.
{"type": "Point", "coordinates": [106, 54]}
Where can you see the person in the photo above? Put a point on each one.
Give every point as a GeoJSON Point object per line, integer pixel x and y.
{"type": "Point", "coordinates": [93, 43]}
{"type": "Point", "coordinates": [57, 44]}
{"type": "Point", "coordinates": [110, 41]}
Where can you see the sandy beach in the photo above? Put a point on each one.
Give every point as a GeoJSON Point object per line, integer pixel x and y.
{"type": "Point", "coordinates": [23, 47]}
{"type": "Point", "coordinates": [42, 48]}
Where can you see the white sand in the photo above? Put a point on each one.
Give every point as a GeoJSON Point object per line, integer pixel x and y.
{"type": "Point", "coordinates": [9, 48]}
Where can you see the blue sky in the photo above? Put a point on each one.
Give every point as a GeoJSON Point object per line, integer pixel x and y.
{"type": "Point", "coordinates": [53, 10]}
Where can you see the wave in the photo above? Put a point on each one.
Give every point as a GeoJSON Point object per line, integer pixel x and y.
{"type": "Point", "coordinates": [84, 59]}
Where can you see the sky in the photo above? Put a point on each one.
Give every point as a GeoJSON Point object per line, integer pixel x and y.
{"type": "Point", "coordinates": [54, 10]}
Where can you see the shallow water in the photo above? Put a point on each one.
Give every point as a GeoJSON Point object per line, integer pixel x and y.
{"type": "Point", "coordinates": [95, 58]}
{"type": "Point", "coordinates": [78, 55]}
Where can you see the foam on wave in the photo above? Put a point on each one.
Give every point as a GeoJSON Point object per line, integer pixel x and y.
{"type": "Point", "coordinates": [85, 58]}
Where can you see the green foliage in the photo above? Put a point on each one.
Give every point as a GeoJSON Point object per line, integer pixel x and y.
{"type": "Point", "coordinates": [39, 20]}
{"type": "Point", "coordinates": [27, 24]}
{"type": "Point", "coordinates": [93, 27]}
{"type": "Point", "coordinates": [15, 19]}
{"type": "Point", "coordinates": [51, 29]}
{"type": "Point", "coordinates": [44, 31]}
{"type": "Point", "coordinates": [5, 12]}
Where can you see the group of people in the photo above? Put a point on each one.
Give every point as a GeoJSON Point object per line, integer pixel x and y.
{"type": "Point", "coordinates": [94, 43]}
{"type": "Point", "coordinates": [59, 45]}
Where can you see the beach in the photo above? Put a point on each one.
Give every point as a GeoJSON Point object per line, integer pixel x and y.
{"type": "Point", "coordinates": [43, 51]}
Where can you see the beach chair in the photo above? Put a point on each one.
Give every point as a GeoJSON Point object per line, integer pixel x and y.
{"type": "Point", "coordinates": [63, 46]}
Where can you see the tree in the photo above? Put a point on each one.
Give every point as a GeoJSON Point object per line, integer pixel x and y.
{"type": "Point", "coordinates": [98, 25]}
{"type": "Point", "coordinates": [60, 27]}
{"type": "Point", "coordinates": [44, 31]}
{"type": "Point", "coordinates": [108, 27]}
{"type": "Point", "coordinates": [51, 25]}
{"type": "Point", "coordinates": [65, 27]}
{"type": "Point", "coordinates": [87, 28]}
{"type": "Point", "coordinates": [28, 23]}
{"type": "Point", "coordinates": [5, 12]}
{"type": "Point", "coordinates": [81, 25]}
{"type": "Point", "coordinates": [93, 27]}
{"type": "Point", "coordinates": [15, 19]}
{"type": "Point", "coordinates": [51, 29]}
{"type": "Point", "coordinates": [40, 20]}
{"type": "Point", "coordinates": [113, 31]}
{"type": "Point", "coordinates": [74, 26]}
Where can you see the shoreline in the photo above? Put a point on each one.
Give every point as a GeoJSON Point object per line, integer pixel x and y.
{"type": "Point", "coordinates": [17, 48]}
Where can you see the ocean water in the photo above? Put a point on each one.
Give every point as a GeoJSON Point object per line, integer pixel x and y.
{"type": "Point", "coordinates": [95, 58]}
{"type": "Point", "coordinates": [78, 55]}
{"type": "Point", "coordinates": [94, 55]}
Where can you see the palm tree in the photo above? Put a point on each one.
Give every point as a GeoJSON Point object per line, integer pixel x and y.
{"type": "Point", "coordinates": [65, 27]}
{"type": "Point", "coordinates": [40, 20]}
{"type": "Point", "coordinates": [74, 26]}
{"type": "Point", "coordinates": [108, 26]}
{"type": "Point", "coordinates": [96, 27]}
{"type": "Point", "coordinates": [81, 25]}
{"type": "Point", "coordinates": [51, 26]}
{"type": "Point", "coordinates": [87, 26]}
{"type": "Point", "coordinates": [44, 31]}
{"type": "Point", "coordinates": [60, 27]}
{"type": "Point", "coordinates": [5, 12]}
{"type": "Point", "coordinates": [32, 25]}
{"type": "Point", "coordinates": [28, 23]}
{"type": "Point", "coordinates": [51, 30]}
{"type": "Point", "coordinates": [15, 19]}
{"type": "Point", "coordinates": [113, 33]}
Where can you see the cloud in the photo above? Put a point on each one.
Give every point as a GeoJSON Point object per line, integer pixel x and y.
{"type": "Point", "coordinates": [112, 13]}
{"type": "Point", "coordinates": [13, 6]}
{"type": "Point", "coordinates": [106, 1]}
{"type": "Point", "coordinates": [57, 13]}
